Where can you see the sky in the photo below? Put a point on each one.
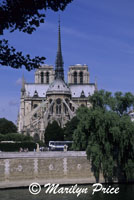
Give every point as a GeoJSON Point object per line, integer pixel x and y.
{"type": "Point", "coordinates": [93, 32]}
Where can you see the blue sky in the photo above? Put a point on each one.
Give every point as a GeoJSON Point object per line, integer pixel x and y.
{"type": "Point", "coordinates": [97, 33]}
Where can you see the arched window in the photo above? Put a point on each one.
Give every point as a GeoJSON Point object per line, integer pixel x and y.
{"type": "Point", "coordinates": [75, 77]}
{"type": "Point", "coordinates": [81, 77]}
{"type": "Point", "coordinates": [65, 108]}
{"type": "Point", "coordinates": [47, 77]}
{"type": "Point", "coordinates": [51, 108]}
{"type": "Point", "coordinates": [42, 77]}
{"type": "Point", "coordinates": [58, 109]}
{"type": "Point", "coordinates": [58, 106]}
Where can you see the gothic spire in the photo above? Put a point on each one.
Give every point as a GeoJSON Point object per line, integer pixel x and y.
{"type": "Point", "coordinates": [59, 70]}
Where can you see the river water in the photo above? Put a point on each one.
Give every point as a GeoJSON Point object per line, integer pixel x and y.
{"type": "Point", "coordinates": [126, 192]}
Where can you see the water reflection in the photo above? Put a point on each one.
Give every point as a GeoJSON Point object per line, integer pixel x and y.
{"type": "Point", "coordinates": [126, 193]}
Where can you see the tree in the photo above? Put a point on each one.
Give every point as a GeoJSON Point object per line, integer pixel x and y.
{"type": "Point", "coordinates": [53, 132]}
{"type": "Point", "coordinates": [69, 129]}
{"type": "Point", "coordinates": [107, 135]}
{"type": "Point", "coordinates": [7, 126]}
{"type": "Point", "coordinates": [24, 16]}
{"type": "Point", "coordinates": [102, 99]}
{"type": "Point", "coordinates": [80, 136]}
{"type": "Point", "coordinates": [119, 102]}
{"type": "Point", "coordinates": [123, 103]}
{"type": "Point", "coordinates": [15, 137]}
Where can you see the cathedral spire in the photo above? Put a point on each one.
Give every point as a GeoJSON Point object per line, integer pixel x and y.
{"type": "Point", "coordinates": [59, 71]}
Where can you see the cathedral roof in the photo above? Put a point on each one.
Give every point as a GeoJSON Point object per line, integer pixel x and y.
{"type": "Point", "coordinates": [40, 88]}
{"type": "Point", "coordinates": [87, 89]}
{"type": "Point", "coordinates": [58, 87]}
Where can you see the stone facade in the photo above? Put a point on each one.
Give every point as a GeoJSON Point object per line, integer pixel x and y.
{"type": "Point", "coordinates": [21, 169]}
{"type": "Point", "coordinates": [45, 75]}
{"type": "Point", "coordinates": [51, 98]}
{"type": "Point", "coordinates": [78, 74]}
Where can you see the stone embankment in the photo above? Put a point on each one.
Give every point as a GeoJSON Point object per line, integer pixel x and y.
{"type": "Point", "coordinates": [22, 169]}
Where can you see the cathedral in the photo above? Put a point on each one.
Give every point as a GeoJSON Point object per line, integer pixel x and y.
{"type": "Point", "coordinates": [50, 98]}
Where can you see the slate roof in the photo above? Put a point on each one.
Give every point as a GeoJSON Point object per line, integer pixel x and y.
{"type": "Point", "coordinates": [88, 89]}
{"type": "Point", "coordinates": [59, 86]}
{"type": "Point", "coordinates": [40, 88]}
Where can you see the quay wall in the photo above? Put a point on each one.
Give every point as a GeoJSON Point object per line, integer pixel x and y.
{"type": "Point", "coordinates": [22, 169]}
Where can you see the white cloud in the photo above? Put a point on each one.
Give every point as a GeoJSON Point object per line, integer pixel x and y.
{"type": "Point", "coordinates": [19, 81]}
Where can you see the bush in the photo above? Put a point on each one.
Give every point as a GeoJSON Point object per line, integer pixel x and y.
{"type": "Point", "coordinates": [2, 137]}
{"type": "Point", "coordinates": [10, 147]}
{"type": "Point", "coordinates": [15, 137]}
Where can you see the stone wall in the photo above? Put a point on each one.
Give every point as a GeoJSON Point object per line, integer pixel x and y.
{"type": "Point", "coordinates": [21, 169]}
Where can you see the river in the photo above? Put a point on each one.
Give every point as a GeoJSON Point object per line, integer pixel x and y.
{"type": "Point", "coordinates": [126, 192]}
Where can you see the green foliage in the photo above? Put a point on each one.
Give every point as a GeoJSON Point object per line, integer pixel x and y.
{"type": "Point", "coordinates": [10, 57]}
{"type": "Point", "coordinates": [123, 103]}
{"type": "Point", "coordinates": [101, 99]}
{"type": "Point", "coordinates": [93, 153]}
{"type": "Point", "coordinates": [7, 126]}
{"type": "Point", "coordinates": [119, 102]}
{"type": "Point", "coordinates": [10, 147]}
{"type": "Point", "coordinates": [106, 132]}
{"type": "Point", "coordinates": [2, 137]}
{"type": "Point", "coordinates": [70, 128]}
{"type": "Point", "coordinates": [15, 137]}
{"type": "Point", "coordinates": [21, 141]}
{"type": "Point", "coordinates": [80, 136]}
{"type": "Point", "coordinates": [53, 132]}
{"type": "Point", "coordinates": [25, 16]}
{"type": "Point", "coordinates": [129, 169]}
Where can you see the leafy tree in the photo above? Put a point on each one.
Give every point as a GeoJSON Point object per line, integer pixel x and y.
{"type": "Point", "coordinates": [106, 132]}
{"type": "Point", "coordinates": [101, 98]}
{"type": "Point", "coordinates": [69, 129]}
{"type": "Point", "coordinates": [7, 126]}
{"type": "Point", "coordinates": [53, 132]}
{"type": "Point", "coordinates": [25, 16]}
{"type": "Point", "coordinates": [119, 102]}
{"type": "Point", "coordinates": [2, 137]}
{"type": "Point", "coordinates": [15, 137]}
{"type": "Point", "coordinates": [123, 103]}
{"type": "Point", "coordinates": [80, 136]}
